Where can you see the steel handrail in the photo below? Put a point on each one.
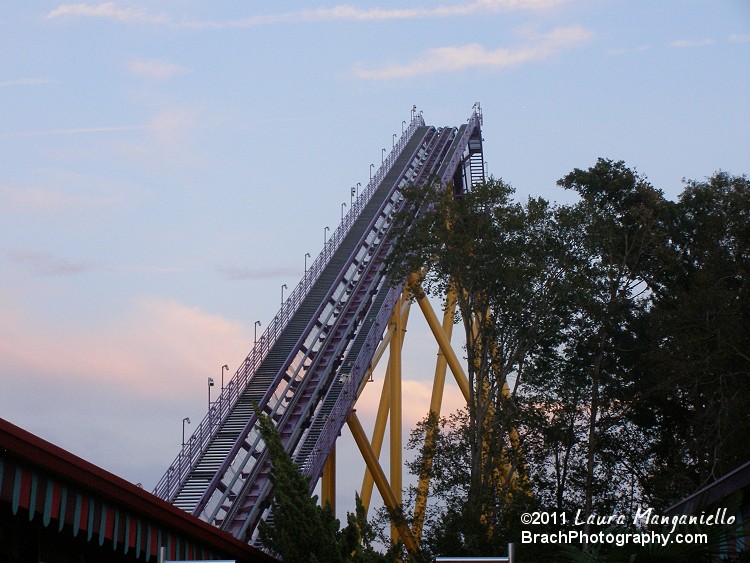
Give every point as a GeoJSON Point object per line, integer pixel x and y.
{"type": "Point", "coordinates": [219, 410]}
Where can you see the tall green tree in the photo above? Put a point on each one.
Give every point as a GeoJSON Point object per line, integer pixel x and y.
{"type": "Point", "coordinates": [622, 216]}
{"type": "Point", "coordinates": [620, 328]}
{"type": "Point", "coordinates": [697, 337]}
{"type": "Point", "coordinates": [300, 529]}
{"type": "Point", "coordinates": [508, 265]}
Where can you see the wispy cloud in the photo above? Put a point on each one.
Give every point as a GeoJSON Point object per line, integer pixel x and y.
{"type": "Point", "coordinates": [107, 10]}
{"type": "Point", "coordinates": [129, 375]}
{"type": "Point", "coordinates": [688, 43]}
{"type": "Point", "coordinates": [159, 69]}
{"type": "Point", "coordinates": [26, 82]}
{"type": "Point", "coordinates": [71, 131]}
{"type": "Point", "coordinates": [13, 198]}
{"type": "Point", "coordinates": [628, 51]}
{"type": "Point", "coordinates": [474, 55]}
{"type": "Point", "coordinates": [58, 191]}
{"type": "Point", "coordinates": [45, 264]}
{"type": "Point", "coordinates": [340, 12]}
{"type": "Point", "coordinates": [739, 38]}
{"type": "Point", "coordinates": [172, 126]}
{"type": "Point", "coordinates": [254, 274]}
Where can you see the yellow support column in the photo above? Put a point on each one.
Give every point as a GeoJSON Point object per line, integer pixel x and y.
{"type": "Point", "coordinates": [436, 401]}
{"type": "Point", "coordinates": [380, 480]}
{"type": "Point", "coordinates": [378, 434]}
{"type": "Point", "coordinates": [396, 440]}
{"type": "Point", "coordinates": [328, 481]}
{"type": "Point", "coordinates": [381, 419]}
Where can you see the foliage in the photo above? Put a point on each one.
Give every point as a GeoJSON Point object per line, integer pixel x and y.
{"type": "Point", "coordinates": [698, 338]}
{"type": "Point", "coordinates": [300, 529]}
{"type": "Point", "coordinates": [510, 268]}
{"type": "Point", "coordinates": [606, 346]}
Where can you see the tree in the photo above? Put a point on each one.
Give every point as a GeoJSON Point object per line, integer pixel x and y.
{"type": "Point", "coordinates": [300, 529]}
{"type": "Point", "coordinates": [622, 217]}
{"type": "Point", "coordinates": [698, 337]}
{"type": "Point", "coordinates": [606, 344]}
{"type": "Point", "coordinates": [509, 267]}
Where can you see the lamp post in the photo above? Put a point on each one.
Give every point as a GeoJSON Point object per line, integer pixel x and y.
{"type": "Point", "coordinates": [413, 112]}
{"type": "Point", "coordinates": [342, 211]}
{"type": "Point", "coordinates": [394, 140]}
{"type": "Point", "coordinates": [382, 156]}
{"type": "Point", "coordinates": [307, 255]}
{"type": "Point", "coordinates": [184, 420]}
{"type": "Point", "coordinates": [255, 333]}
{"type": "Point", "coordinates": [325, 230]}
{"type": "Point", "coordinates": [224, 367]}
{"type": "Point", "coordinates": [371, 167]}
{"type": "Point", "coordinates": [210, 384]}
{"type": "Point", "coordinates": [403, 123]}
{"type": "Point", "coordinates": [359, 185]}
{"type": "Point", "coordinates": [283, 287]}
{"type": "Point", "coordinates": [351, 197]}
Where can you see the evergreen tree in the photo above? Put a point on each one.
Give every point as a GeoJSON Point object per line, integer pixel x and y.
{"type": "Point", "coordinates": [300, 529]}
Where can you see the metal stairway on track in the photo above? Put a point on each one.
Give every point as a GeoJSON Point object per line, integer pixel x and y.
{"type": "Point", "coordinates": [306, 368]}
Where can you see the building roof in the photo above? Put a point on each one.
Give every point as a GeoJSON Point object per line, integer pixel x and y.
{"type": "Point", "coordinates": [62, 489]}
{"type": "Point", "coordinates": [710, 494]}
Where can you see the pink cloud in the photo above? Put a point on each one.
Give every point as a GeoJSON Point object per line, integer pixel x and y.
{"type": "Point", "coordinates": [160, 347]}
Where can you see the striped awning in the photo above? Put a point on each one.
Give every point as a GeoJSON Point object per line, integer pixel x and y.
{"type": "Point", "coordinates": [69, 509]}
{"type": "Point", "coordinates": [48, 488]}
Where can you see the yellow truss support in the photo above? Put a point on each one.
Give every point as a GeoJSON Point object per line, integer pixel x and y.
{"type": "Point", "coordinates": [328, 481]}
{"type": "Point", "coordinates": [390, 405]}
{"type": "Point", "coordinates": [396, 434]}
{"type": "Point", "coordinates": [436, 401]}
{"type": "Point", "coordinates": [380, 480]}
{"type": "Point", "coordinates": [440, 336]}
{"type": "Point", "coordinates": [381, 418]}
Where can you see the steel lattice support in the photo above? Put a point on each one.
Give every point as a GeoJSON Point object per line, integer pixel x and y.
{"type": "Point", "coordinates": [315, 357]}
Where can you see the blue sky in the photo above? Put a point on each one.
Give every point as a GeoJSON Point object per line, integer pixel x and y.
{"type": "Point", "coordinates": [166, 165]}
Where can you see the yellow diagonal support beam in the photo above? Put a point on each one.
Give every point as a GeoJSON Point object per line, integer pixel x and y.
{"type": "Point", "coordinates": [445, 346]}
{"type": "Point", "coordinates": [380, 480]}
{"type": "Point", "coordinates": [378, 433]}
{"type": "Point", "coordinates": [381, 419]}
{"type": "Point", "coordinates": [383, 345]}
{"type": "Point", "coordinates": [436, 401]}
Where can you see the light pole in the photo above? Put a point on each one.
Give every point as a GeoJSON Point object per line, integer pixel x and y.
{"type": "Point", "coordinates": [224, 367]}
{"type": "Point", "coordinates": [403, 123]}
{"type": "Point", "coordinates": [351, 197]}
{"type": "Point", "coordinates": [359, 185]}
{"type": "Point", "coordinates": [382, 156]}
{"type": "Point", "coordinates": [255, 332]}
{"type": "Point", "coordinates": [184, 420]}
{"type": "Point", "coordinates": [307, 255]}
{"type": "Point", "coordinates": [342, 211]}
{"type": "Point", "coordinates": [210, 384]}
{"type": "Point", "coordinates": [371, 167]}
{"type": "Point", "coordinates": [325, 230]}
{"type": "Point", "coordinates": [413, 112]}
{"type": "Point", "coordinates": [394, 140]}
{"type": "Point", "coordinates": [283, 287]}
